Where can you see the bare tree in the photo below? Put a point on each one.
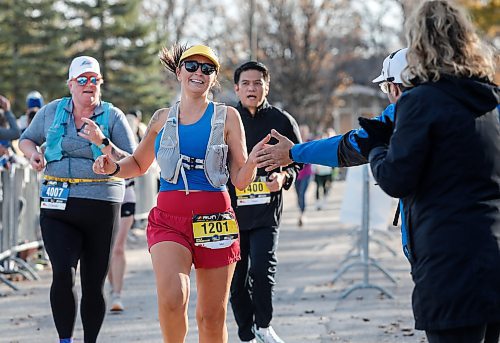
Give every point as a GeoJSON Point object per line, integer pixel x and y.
{"type": "Point", "coordinates": [309, 45]}
{"type": "Point", "coordinates": [303, 42]}
{"type": "Point", "coordinates": [408, 6]}
{"type": "Point", "coordinates": [382, 26]}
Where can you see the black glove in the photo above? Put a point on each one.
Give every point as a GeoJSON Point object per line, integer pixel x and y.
{"type": "Point", "coordinates": [379, 134]}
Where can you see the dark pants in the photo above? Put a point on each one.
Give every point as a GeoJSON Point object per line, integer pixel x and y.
{"type": "Point", "coordinates": [487, 333]}
{"type": "Point", "coordinates": [301, 188]}
{"type": "Point", "coordinates": [253, 281]}
{"type": "Point", "coordinates": [82, 233]}
{"type": "Point", "coordinates": [323, 182]}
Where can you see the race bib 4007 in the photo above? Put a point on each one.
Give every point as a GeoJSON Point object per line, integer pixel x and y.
{"type": "Point", "coordinates": [54, 195]}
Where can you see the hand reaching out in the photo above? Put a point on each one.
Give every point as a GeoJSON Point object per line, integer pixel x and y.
{"type": "Point", "coordinates": [274, 156]}
{"type": "Point", "coordinates": [104, 165]}
{"type": "Point", "coordinates": [252, 158]}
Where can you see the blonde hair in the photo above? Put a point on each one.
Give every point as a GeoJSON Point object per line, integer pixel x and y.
{"type": "Point", "coordinates": [442, 40]}
{"type": "Point", "coordinates": [170, 58]}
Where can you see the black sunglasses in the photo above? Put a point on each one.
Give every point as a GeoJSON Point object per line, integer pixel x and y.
{"type": "Point", "coordinates": [192, 66]}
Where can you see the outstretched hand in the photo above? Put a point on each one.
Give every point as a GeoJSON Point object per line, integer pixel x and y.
{"type": "Point", "coordinates": [379, 134]}
{"type": "Point", "coordinates": [252, 157]}
{"type": "Point", "coordinates": [277, 155]}
{"type": "Point", "coordinates": [104, 165]}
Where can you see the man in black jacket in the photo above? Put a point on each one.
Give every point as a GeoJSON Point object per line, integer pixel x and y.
{"type": "Point", "coordinates": [259, 208]}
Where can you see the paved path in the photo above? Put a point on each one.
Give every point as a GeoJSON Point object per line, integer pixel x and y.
{"type": "Point", "coordinates": [308, 307]}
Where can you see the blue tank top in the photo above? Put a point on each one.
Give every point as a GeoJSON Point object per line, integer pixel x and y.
{"type": "Point", "coordinates": [193, 140]}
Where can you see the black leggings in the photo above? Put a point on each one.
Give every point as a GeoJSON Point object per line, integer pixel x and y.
{"type": "Point", "coordinates": [322, 182]}
{"type": "Point", "coordinates": [82, 232]}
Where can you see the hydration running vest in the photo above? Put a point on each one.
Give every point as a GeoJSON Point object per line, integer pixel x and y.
{"type": "Point", "coordinates": [172, 162]}
{"type": "Point", "coordinates": [56, 131]}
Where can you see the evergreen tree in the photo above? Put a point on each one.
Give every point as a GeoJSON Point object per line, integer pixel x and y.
{"type": "Point", "coordinates": [32, 50]}
{"type": "Point", "coordinates": [113, 33]}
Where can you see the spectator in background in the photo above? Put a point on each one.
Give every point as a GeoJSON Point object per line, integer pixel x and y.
{"type": "Point", "coordinates": [34, 101]}
{"type": "Point", "coordinates": [323, 179]}
{"type": "Point", "coordinates": [118, 261]}
{"type": "Point", "coordinates": [323, 176]}
{"type": "Point", "coordinates": [134, 118]}
{"type": "Point", "coordinates": [303, 179]}
{"type": "Point", "coordinates": [9, 131]}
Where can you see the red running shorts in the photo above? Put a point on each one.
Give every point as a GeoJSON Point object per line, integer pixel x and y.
{"type": "Point", "coordinates": [171, 221]}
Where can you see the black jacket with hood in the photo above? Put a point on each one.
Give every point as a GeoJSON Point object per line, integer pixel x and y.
{"type": "Point", "coordinates": [443, 160]}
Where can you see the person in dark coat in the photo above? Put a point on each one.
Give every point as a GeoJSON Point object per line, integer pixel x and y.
{"type": "Point", "coordinates": [443, 161]}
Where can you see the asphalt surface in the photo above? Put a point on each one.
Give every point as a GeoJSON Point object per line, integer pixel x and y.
{"type": "Point", "coordinates": [309, 307]}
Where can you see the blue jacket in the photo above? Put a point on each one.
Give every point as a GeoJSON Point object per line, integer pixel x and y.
{"type": "Point", "coordinates": [337, 151]}
{"type": "Point", "coordinates": [343, 151]}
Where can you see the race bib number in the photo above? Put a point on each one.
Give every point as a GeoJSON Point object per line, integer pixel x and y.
{"type": "Point", "coordinates": [214, 231]}
{"type": "Point", "coordinates": [255, 194]}
{"type": "Point", "coordinates": [54, 195]}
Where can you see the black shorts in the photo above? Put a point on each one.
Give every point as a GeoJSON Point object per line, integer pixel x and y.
{"type": "Point", "coordinates": [128, 209]}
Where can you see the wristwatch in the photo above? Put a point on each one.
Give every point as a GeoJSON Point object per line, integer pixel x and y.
{"type": "Point", "coordinates": [104, 143]}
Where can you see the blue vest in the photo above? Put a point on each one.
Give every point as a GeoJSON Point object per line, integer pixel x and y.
{"type": "Point", "coordinates": [53, 151]}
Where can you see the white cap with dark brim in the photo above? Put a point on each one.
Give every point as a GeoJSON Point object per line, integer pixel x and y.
{"type": "Point", "coordinates": [392, 67]}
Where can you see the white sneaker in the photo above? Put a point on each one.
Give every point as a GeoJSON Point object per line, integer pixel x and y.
{"type": "Point", "coordinates": [266, 335]}
{"type": "Point", "coordinates": [252, 341]}
{"type": "Point", "coordinates": [116, 303]}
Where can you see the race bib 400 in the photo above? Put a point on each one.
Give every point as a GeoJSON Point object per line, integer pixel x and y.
{"type": "Point", "coordinates": [256, 193]}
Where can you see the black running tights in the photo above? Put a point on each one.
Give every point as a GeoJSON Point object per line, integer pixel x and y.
{"type": "Point", "coordinates": [83, 232]}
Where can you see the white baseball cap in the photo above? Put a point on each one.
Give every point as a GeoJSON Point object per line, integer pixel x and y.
{"type": "Point", "coordinates": [83, 64]}
{"type": "Point", "coordinates": [392, 67]}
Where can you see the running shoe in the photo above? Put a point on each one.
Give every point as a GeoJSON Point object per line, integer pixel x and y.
{"type": "Point", "coordinates": [266, 335]}
{"type": "Point", "coordinates": [116, 303]}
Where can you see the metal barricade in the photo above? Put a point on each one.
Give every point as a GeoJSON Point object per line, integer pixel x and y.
{"type": "Point", "coordinates": [19, 217]}
{"type": "Point", "coordinates": [20, 211]}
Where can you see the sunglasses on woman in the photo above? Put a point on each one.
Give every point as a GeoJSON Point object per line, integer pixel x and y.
{"type": "Point", "coordinates": [83, 80]}
{"type": "Point", "coordinates": [192, 66]}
